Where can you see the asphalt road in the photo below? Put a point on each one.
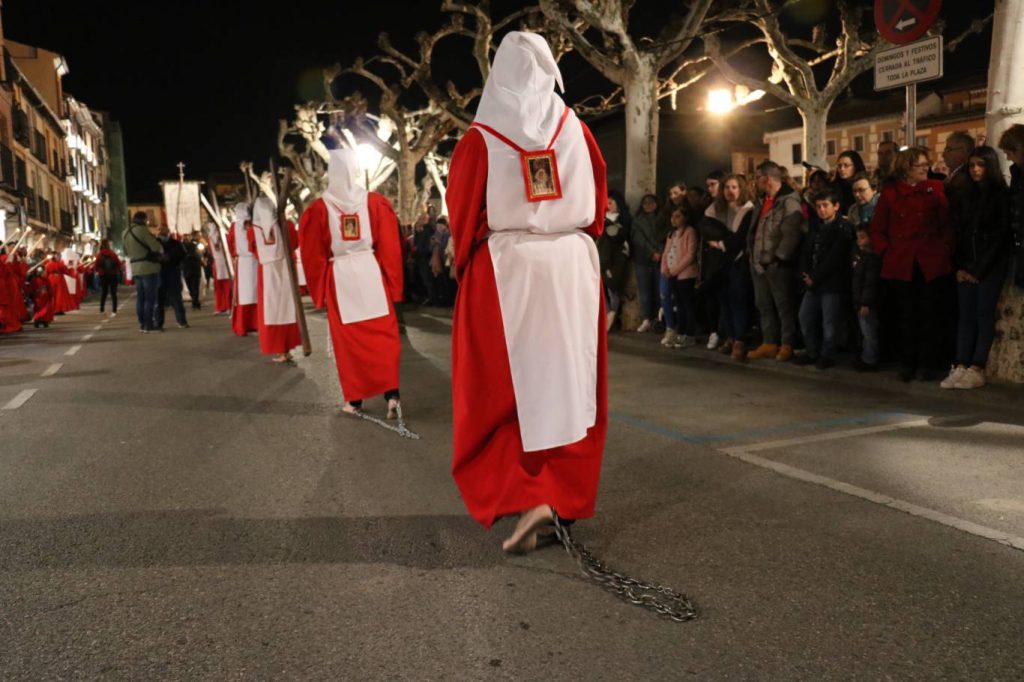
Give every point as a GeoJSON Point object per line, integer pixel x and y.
{"type": "Point", "coordinates": [173, 506]}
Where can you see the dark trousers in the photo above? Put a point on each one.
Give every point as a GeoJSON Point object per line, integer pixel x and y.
{"type": "Point", "coordinates": [426, 278]}
{"type": "Point", "coordinates": [170, 296]}
{"type": "Point", "coordinates": [108, 284]}
{"type": "Point", "coordinates": [147, 292]}
{"type": "Point", "coordinates": [192, 282]}
{"type": "Point", "coordinates": [775, 294]}
{"type": "Point", "coordinates": [821, 315]}
{"type": "Point", "coordinates": [920, 320]}
{"type": "Point", "coordinates": [734, 296]}
{"type": "Point", "coordinates": [679, 308]}
{"type": "Point", "coordinates": [647, 275]}
{"type": "Point", "coordinates": [976, 327]}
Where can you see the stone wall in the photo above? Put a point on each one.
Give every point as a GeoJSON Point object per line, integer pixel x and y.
{"type": "Point", "coordinates": [1006, 362]}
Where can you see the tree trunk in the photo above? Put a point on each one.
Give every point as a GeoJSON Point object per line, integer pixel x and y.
{"type": "Point", "coordinates": [815, 125]}
{"type": "Point", "coordinates": [1005, 108]}
{"type": "Point", "coordinates": [640, 88]}
{"type": "Point", "coordinates": [407, 209]}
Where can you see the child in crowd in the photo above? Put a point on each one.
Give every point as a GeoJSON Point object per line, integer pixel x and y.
{"type": "Point", "coordinates": [679, 267]}
{"type": "Point", "coordinates": [824, 263]}
{"type": "Point", "coordinates": [867, 271]}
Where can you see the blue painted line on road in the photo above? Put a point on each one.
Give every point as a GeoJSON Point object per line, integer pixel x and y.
{"type": "Point", "coordinates": [792, 427]}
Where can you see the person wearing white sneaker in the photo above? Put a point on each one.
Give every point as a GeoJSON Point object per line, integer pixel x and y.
{"type": "Point", "coordinates": [683, 341]}
{"type": "Point", "coordinates": [713, 341]}
{"type": "Point", "coordinates": [983, 244]}
{"type": "Point", "coordinates": [644, 327]}
{"type": "Point", "coordinates": [972, 377]}
{"type": "Point", "coordinates": [669, 339]}
{"type": "Point", "coordinates": [955, 373]}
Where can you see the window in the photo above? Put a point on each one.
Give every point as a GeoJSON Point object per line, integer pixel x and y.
{"type": "Point", "coordinates": [750, 165]}
{"type": "Point", "coordinates": [887, 136]}
{"type": "Point", "coordinates": [858, 143]}
{"type": "Point", "coordinates": [921, 141]}
{"type": "Point", "coordinates": [830, 147]}
{"type": "Point", "coordinates": [798, 153]}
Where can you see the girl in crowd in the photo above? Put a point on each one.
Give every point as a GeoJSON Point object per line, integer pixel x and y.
{"type": "Point", "coordinates": [848, 166]}
{"type": "Point", "coordinates": [982, 219]}
{"type": "Point", "coordinates": [679, 268]}
{"type": "Point", "coordinates": [733, 210]}
{"type": "Point", "coordinates": [613, 252]}
{"type": "Point", "coordinates": [646, 252]}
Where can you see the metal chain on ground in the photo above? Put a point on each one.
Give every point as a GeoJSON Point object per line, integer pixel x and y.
{"type": "Point", "coordinates": [402, 430]}
{"type": "Point", "coordinates": [658, 598]}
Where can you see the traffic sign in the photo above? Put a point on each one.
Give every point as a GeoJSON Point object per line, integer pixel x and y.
{"type": "Point", "coordinates": [909, 64]}
{"type": "Point", "coordinates": [904, 21]}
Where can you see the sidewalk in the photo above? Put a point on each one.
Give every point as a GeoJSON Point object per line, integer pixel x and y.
{"type": "Point", "coordinates": [999, 395]}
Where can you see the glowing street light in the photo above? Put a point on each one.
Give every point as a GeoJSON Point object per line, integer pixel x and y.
{"type": "Point", "coordinates": [720, 101]}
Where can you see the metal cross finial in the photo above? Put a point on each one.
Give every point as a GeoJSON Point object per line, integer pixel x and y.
{"type": "Point", "coordinates": [181, 170]}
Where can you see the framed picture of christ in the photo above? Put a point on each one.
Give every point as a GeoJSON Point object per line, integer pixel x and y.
{"type": "Point", "coordinates": [540, 171]}
{"type": "Point", "coordinates": [350, 227]}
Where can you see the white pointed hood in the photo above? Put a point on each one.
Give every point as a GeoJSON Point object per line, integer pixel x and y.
{"type": "Point", "coordinates": [343, 186]}
{"type": "Point", "coordinates": [263, 213]}
{"type": "Point", "coordinates": [519, 99]}
{"type": "Point", "coordinates": [241, 213]}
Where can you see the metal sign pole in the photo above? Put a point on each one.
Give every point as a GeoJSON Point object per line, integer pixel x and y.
{"type": "Point", "coordinates": [912, 115]}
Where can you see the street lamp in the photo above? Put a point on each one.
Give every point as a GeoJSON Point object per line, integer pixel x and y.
{"type": "Point", "coordinates": [720, 101]}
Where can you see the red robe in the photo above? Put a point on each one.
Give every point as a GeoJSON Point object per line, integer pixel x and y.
{"type": "Point", "coordinates": [63, 301]}
{"type": "Point", "coordinates": [495, 476]}
{"type": "Point", "coordinates": [10, 317]}
{"type": "Point", "coordinates": [243, 317]}
{"type": "Point", "coordinates": [42, 299]}
{"type": "Point", "coordinates": [366, 353]}
{"type": "Point", "coordinates": [221, 290]}
{"type": "Point", "coordinates": [14, 282]}
{"type": "Point", "coordinates": [275, 338]}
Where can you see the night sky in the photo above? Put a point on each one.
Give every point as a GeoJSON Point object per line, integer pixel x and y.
{"type": "Point", "coordinates": [206, 82]}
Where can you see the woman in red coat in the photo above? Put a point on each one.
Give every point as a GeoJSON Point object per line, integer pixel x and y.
{"type": "Point", "coordinates": [911, 231]}
{"type": "Point", "coordinates": [526, 195]}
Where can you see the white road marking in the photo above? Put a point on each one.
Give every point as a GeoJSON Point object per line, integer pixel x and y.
{"type": "Point", "coordinates": [74, 349]}
{"type": "Point", "coordinates": [52, 369]}
{"type": "Point", "coordinates": [98, 327]}
{"type": "Point", "coordinates": [20, 399]}
{"type": "Point", "coordinates": [437, 318]}
{"type": "Point", "coordinates": [743, 452]}
{"type": "Point", "coordinates": [87, 337]}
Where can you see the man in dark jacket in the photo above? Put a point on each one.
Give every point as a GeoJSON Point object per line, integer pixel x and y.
{"type": "Point", "coordinates": [170, 280]}
{"type": "Point", "coordinates": [825, 269]}
{"type": "Point", "coordinates": [774, 246]}
{"type": "Point", "coordinates": [192, 268]}
{"type": "Point", "coordinates": [1012, 143]}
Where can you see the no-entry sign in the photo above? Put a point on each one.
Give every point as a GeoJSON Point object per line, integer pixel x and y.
{"type": "Point", "coordinates": [909, 64]}
{"type": "Point", "coordinates": [904, 21]}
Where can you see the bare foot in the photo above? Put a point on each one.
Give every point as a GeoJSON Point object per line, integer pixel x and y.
{"type": "Point", "coordinates": [524, 537]}
{"type": "Point", "coordinates": [393, 409]}
{"type": "Point", "coordinates": [349, 408]}
{"type": "Point", "coordinates": [282, 358]}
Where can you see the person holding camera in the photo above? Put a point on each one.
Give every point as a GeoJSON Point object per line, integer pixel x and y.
{"type": "Point", "coordinates": [145, 254]}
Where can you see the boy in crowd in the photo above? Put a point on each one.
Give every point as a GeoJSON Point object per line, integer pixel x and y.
{"type": "Point", "coordinates": [824, 267]}
{"type": "Point", "coordinates": [867, 270]}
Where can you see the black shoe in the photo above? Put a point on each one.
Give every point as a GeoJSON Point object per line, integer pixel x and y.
{"type": "Point", "coordinates": [907, 374]}
{"type": "Point", "coordinates": [805, 359]}
{"type": "Point", "coordinates": [861, 366]}
{"type": "Point", "coordinates": [825, 362]}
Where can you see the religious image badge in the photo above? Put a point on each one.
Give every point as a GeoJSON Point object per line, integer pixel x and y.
{"type": "Point", "coordinates": [350, 228]}
{"type": "Point", "coordinates": [540, 172]}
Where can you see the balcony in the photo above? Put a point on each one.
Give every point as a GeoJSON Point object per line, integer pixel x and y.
{"type": "Point", "coordinates": [22, 134]}
{"type": "Point", "coordinates": [8, 179]}
{"type": "Point", "coordinates": [39, 150]}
